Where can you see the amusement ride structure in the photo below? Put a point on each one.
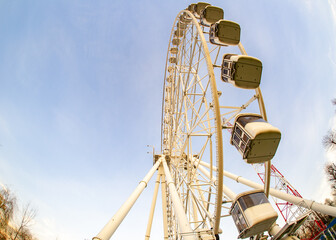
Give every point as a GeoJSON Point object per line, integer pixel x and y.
{"type": "Point", "coordinates": [195, 117]}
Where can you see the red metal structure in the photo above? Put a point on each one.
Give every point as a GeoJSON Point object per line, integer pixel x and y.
{"type": "Point", "coordinates": [289, 211]}
{"type": "Point", "coordinates": [286, 209]}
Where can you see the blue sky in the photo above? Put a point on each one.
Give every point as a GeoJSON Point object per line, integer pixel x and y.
{"type": "Point", "coordinates": [81, 91]}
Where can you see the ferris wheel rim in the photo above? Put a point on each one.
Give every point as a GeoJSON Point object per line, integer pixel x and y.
{"type": "Point", "coordinates": [216, 109]}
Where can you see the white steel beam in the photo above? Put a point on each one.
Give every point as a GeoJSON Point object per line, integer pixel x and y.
{"type": "Point", "coordinates": [164, 203]}
{"type": "Point", "coordinates": [227, 191]}
{"type": "Point", "coordinates": [184, 225]}
{"type": "Point", "coordinates": [310, 204]}
{"type": "Point", "coordinates": [108, 230]}
{"type": "Point", "coordinates": [151, 212]}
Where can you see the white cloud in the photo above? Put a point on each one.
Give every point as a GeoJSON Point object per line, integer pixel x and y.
{"type": "Point", "coordinates": [332, 4]}
{"type": "Point", "coordinates": [323, 191]}
{"type": "Point", "coordinates": [45, 228]}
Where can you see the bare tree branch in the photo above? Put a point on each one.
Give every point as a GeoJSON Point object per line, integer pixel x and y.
{"type": "Point", "coordinates": [329, 140]}
{"type": "Point", "coordinates": [28, 215]}
{"type": "Point", "coordinates": [15, 225]}
{"type": "Point", "coordinates": [331, 175]}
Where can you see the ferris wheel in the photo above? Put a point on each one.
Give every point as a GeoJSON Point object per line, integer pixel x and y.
{"type": "Point", "coordinates": [195, 116]}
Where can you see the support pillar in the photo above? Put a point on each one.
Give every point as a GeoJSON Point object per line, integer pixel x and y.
{"type": "Point", "coordinates": [109, 229]}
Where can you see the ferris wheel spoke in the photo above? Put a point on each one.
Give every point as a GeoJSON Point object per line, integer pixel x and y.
{"type": "Point", "coordinates": [202, 103]}
{"type": "Point", "coordinates": [186, 113]}
{"type": "Point", "coordinates": [197, 117]}
{"type": "Point", "coordinates": [237, 110]}
{"type": "Point", "coordinates": [243, 106]}
{"type": "Point", "coordinates": [207, 131]}
{"type": "Point", "coordinates": [203, 58]}
{"type": "Point", "coordinates": [217, 55]}
{"type": "Point", "coordinates": [198, 83]}
{"type": "Point", "coordinates": [200, 122]}
{"type": "Point", "coordinates": [234, 112]}
{"type": "Point", "coordinates": [191, 61]}
{"type": "Point", "coordinates": [199, 199]}
{"type": "Point", "coordinates": [186, 141]}
{"type": "Point", "coordinates": [207, 83]}
{"type": "Point", "coordinates": [201, 210]}
{"type": "Point", "coordinates": [200, 154]}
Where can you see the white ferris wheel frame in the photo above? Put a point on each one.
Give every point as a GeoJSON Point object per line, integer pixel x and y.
{"type": "Point", "coordinates": [192, 195]}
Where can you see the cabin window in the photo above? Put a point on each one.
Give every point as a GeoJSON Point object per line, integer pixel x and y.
{"type": "Point", "coordinates": [247, 119]}
{"type": "Point", "coordinates": [238, 218]}
{"type": "Point", "coordinates": [226, 71]}
{"type": "Point", "coordinates": [236, 140]}
{"type": "Point", "coordinates": [227, 64]}
{"type": "Point", "coordinates": [238, 131]}
{"type": "Point", "coordinates": [240, 138]}
{"type": "Point", "coordinates": [252, 199]}
{"type": "Point", "coordinates": [245, 138]}
{"type": "Point", "coordinates": [242, 146]}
